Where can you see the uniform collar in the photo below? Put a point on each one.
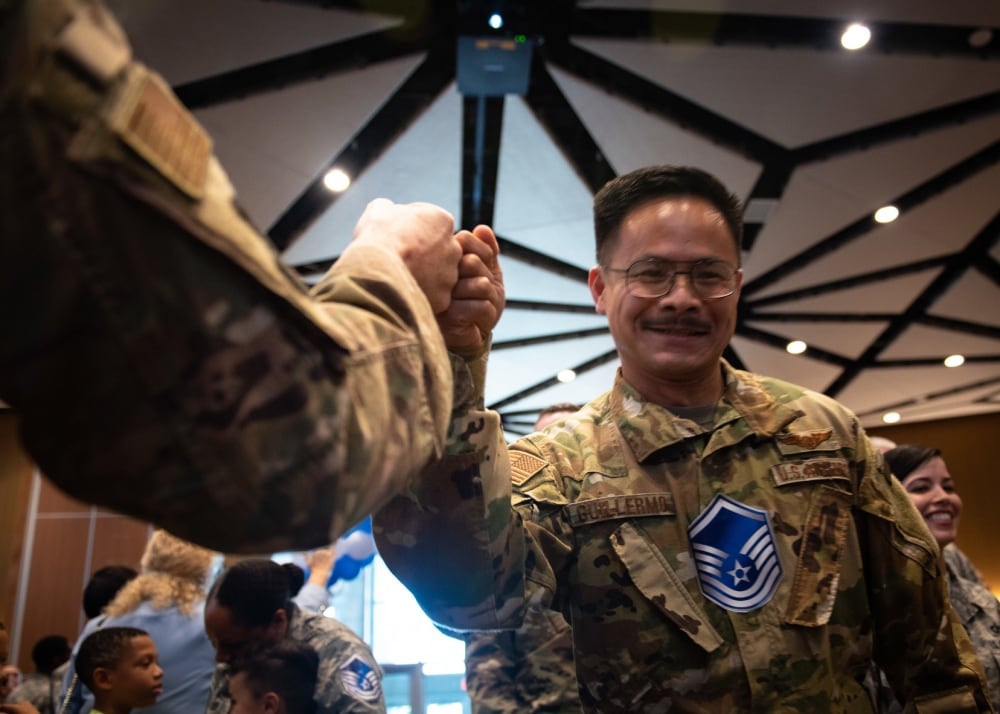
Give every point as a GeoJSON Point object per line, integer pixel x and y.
{"type": "Point", "coordinates": [746, 409]}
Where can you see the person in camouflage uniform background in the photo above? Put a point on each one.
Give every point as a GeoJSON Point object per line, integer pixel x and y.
{"type": "Point", "coordinates": [924, 475]}
{"type": "Point", "coordinates": [160, 358]}
{"type": "Point", "coordinates": [719, 541]}
{"type": "Point", "coordinates": [530, 669]}
{"type": "Point", "coordinates": [250, 604]}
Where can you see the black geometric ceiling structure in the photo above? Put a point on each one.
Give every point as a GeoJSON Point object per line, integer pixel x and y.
{"type": "Point", "coordinates": [429, 30]}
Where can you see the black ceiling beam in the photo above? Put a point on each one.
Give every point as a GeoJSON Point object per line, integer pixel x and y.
{"type": "Point", "coordinates": [773, 31]}
{"type": "Point", "coordinates": [950, 323]}
{"type": "Point", "coordinates": [539, 306]}
{"type": "Point", "coordinates": [925, 399]}
{"type": "Point", "coordinates": [875, 276]}
{"type": "Point", "coordinates": [529, 256]}
{"type": "Point", "coordinates": [932, 361]}
{"type": "Point", "coordinates": [307, 66]}
{"type": "Point", "coordinates": [912, 125]}
{"type": "Point", "coordinates": [550, 338]}
{"type": "Point", "coordinates": [952, 176]}
{"type": "Point", "coordinates": [990, 268]}
{"type": "Point", "coordinates": [581, 368]}
{"type": "Point", "coordinates": [396, 115]}
{"type": "Point", "coordinates": [820, 316]}
{"type": "Point", "coordinates": [953, 270]}
{"type": "Point", "coordinates": [565, 128]}
{"type": "Point", "coordinates": [482, 119]}
{"type": "Point", "coordinates": [779, 342]}
{"type": "Point", "coordinates": [656, 99]}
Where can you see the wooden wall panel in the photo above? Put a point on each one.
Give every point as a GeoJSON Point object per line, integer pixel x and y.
{"type": "Point", "coordinates": [15, 488]}
{"type": "Point", "coordinates": [53, 595]}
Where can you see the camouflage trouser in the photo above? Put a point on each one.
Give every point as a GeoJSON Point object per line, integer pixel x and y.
{"type": "Point", "coordinates": [161, 360]}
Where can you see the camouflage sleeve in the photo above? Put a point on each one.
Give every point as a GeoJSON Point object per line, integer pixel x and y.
{"type": "Point", "coordinates": [452, 537]}
{"type": "Point", "coordinates": [349, 680]}
{"type": "Point", "coordinates": [491, 664]}
{"type": "Point", "coordinates": [919, 642]}
{"type": "Point", "coordinates": [223, 385]}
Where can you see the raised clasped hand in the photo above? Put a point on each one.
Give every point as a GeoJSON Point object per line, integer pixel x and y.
{"type": "Point", "coordinates": [478, 298]}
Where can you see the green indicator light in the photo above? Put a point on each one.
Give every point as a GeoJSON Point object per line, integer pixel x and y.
{"type": "Point", "coordinates": [520, 38]}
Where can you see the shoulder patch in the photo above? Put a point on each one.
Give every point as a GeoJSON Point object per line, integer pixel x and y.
{"type": "Point", "coordinates": [523, 466]}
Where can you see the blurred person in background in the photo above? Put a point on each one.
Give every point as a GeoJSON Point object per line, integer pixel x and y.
{"type": "Point", "coordinates": [167, 600]}
{"type": "Point", "coordinates": [251, 605]}
{"type": "Point", "coordinates": [924, 475]}
{"type": "Point", "coordinates": [41, 687]}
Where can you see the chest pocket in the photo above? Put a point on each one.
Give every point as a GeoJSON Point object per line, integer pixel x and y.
{"type": "Point", "coordinates": [825, 476]}
{"type": "Point", "coordinates": [657, 581]}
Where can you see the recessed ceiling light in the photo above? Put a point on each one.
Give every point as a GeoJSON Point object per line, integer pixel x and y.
{"type": "Point", "coordinates": [980, 38]}
{"type": "Point", "coordinates": [891, 417]}
{"type": "Point", "coordinates": [566, 375]}
{"type": "Point", "coordinates": [336, 180]}
{"type": "Point", "coordinates": [886, 214]}
{"type": "Point", "coordinates": [796, 347]}
{"type": "Point", "coordinates": [855, 37]}
{"type": "Point", "coordinates": [496, 21]}
{"type": "Point", "coordinates": [954, 361]}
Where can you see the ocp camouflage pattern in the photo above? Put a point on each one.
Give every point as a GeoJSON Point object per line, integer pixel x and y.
{"type": "Point", "coordinates": [529, 669]}
{"type": "Point", "coordinates": [860, 580]}
{"type": "Point", "coordinates": [160, 358]}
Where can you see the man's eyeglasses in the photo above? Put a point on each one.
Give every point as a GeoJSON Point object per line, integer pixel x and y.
{"type": "Point", "coordinates": [655, 277]}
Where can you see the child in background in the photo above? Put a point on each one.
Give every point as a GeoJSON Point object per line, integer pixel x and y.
{"type": "Point", "coordinates": [119, 665]}
{"type": "Point", "coordinates": [274, 679]}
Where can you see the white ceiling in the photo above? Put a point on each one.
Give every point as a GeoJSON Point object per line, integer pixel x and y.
{"type": "Point", "coordinates": [276, 142]}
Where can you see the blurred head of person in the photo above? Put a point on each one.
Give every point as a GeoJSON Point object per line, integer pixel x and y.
{"type": "Point", "coordinates": [249, 604]}
{"type": "Point", "coordinates": [102, 587]}
{"type": "Point", "coordinates": [50, 652]}
{"type": "Point", "coordinates": [173, 573]}
{"type": "Point", "coordinates": [882, 444]}
{"type": "Point", "coordinates": [277, 678]}
{"type": "Point", "coordinates": [553, 413]}
{"type": "Point", "coordinates": [924, 475]}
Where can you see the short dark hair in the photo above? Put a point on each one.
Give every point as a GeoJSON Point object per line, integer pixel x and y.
{"type": "Point", "coordinates": [287, 668]}
{"type": "Point", "coordinates": [102, 587]}
{"type": "Point", "coordinates": [253, 590]}
{"type": "Point", "coordinates": [104, 647]}
{"type": "Point", "coordinates": [50, 652]}
{"type": "Point", "coordinates": [622, 195]}
{"type": "Point", "coordinates": [906, 458]}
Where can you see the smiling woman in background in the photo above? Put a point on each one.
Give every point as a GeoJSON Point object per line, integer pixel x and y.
{"type": "Point", "coordinates": [924, 475]}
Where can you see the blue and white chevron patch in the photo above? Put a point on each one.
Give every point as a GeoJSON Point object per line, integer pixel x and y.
{"type": "Point", "coordinates": [360, 679]}
{"type": "Point", "coordinates": [738, 567]}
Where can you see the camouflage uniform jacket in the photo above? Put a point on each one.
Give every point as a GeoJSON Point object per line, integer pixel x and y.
{"type": "Point", "coordinates": [349, 681]}
{"type": "Point", "coordinates": [979, 611]}
{"type": "Point", "coordinates": [530, 669]}
{"type": "Point", "coordinates": [225, 385]}
{"type": "Point", "coordinates": [604, 508]}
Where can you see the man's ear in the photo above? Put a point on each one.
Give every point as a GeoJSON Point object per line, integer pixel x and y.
{"type": "Point", "coordinates": [595, 279]}
{"type": "Point", "coordinates": [103, 678]}
{"type": "Point", "coordinates": [271, 702]}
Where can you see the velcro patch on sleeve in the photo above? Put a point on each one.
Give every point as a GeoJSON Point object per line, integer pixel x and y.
{"type": "Point", "coordinates": [158, 128]}
{"type": "Point", "coordinates": [523, 466]}
{"type": "Point", "coordinates": [810, 470]}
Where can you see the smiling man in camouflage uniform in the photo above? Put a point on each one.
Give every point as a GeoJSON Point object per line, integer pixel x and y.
{"type": "Point", "coordinates": [160, 358]}
{"type": "Point", "coordinates": [719, 541]}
